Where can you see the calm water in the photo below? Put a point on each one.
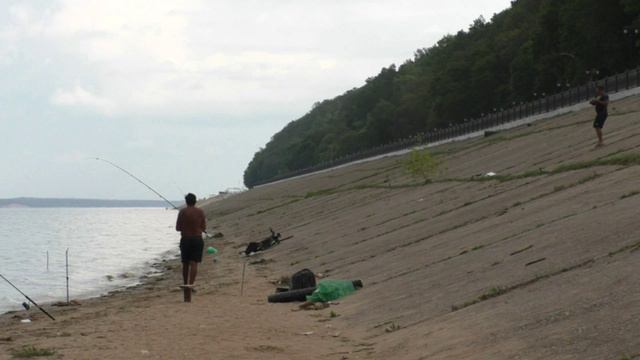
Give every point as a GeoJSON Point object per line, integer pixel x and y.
{"type": "Point", "coordinates": [103, 245]}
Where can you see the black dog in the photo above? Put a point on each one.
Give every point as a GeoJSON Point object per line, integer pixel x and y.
{"type": "Point", "coordinates": [263, 245]}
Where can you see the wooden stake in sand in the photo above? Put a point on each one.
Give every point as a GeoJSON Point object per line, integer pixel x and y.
{"type": "Point", "coordinates": [66, 257]}
{"type": "Point", "coordinates": [244, 265]}
{"type": "Point", "coordinates": [186, 290]}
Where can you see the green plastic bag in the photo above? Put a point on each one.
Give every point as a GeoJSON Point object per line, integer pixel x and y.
{"type": "Point", "coordinates": [329, 290]}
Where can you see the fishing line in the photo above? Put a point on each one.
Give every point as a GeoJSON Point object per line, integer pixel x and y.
{"type": "Point", "coordinates": [138, 180]}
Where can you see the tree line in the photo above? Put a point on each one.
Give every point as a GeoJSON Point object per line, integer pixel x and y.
{"type": "Point", "coordinates": [534, 47]}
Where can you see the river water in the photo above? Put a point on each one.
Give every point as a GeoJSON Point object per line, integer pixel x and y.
{"type": "Point", "coordinates": [108, 248]}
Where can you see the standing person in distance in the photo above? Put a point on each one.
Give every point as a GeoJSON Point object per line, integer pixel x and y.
{"type": "Point", "coordinates": [191, 224]}
{"type": "Point", "coordinates": [601, 103]}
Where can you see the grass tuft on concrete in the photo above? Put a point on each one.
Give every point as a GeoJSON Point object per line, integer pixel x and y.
{"type": "Point", "coordinates": [31, 351]}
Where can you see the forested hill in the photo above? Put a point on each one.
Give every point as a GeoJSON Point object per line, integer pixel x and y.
{"type": "Point", "coordinates": [532, 47]}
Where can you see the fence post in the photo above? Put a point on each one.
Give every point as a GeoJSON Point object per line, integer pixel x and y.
{"type": "Point", "coordinates": [587, 95]}
{"type": "Point", "coordinates": [546, 101]}
{"type": "Point", "coordinates": [532, 108]}
{"type": "Point", "coordinates": [626, 73]}
{"type": "Point", "coordinates": [579, 95]}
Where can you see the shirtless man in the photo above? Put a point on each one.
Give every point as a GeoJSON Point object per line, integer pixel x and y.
{"type": "Point", "coordinates": [601, 102]}
{"type": "Point", "coordinates": [191, 223]}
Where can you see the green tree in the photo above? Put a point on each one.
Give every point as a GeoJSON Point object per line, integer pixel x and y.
{"type": "Point", "coordinates": [527, 48]}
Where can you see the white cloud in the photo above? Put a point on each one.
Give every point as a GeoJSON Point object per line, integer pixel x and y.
{"type": "Point", "coordinates": [109, 30]}
{"type": "Point", "coordinates": [227, 73]}
{"type": "Point", "coordinates": [171, 58]}
{"type": "Point", "coordinates": [79, 97]}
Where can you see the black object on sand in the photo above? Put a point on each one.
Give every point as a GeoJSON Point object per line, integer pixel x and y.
{"type": "Point", "coordinates": [291, 295]}
{"type": "Point", "coordinates": [303, 279]}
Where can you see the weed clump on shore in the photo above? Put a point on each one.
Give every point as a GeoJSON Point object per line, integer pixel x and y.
{"type": "Point", "coordinates": [422, 164]}
{"type": "Point", "coordinates": [32, 351]}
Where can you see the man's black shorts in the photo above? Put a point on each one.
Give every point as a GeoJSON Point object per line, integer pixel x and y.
{"type": "Point", "coordinates": [191, 248]}
{"type": "Point", "coordinates": [598, 123]}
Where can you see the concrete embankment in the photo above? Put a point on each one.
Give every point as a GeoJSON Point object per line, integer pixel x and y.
{"type": "Point", "coordinates": [537, 263]}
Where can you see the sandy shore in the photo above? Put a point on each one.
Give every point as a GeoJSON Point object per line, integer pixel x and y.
{"type": "Point", "coordinates": [152, 321]}
{"type": "Point", "coordinates": [538, 264]}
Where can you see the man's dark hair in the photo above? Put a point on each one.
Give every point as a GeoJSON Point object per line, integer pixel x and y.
{"type": "Point", "coordinates": [600, 87]}
{"type": "Point", "coordinates": [190, 199]}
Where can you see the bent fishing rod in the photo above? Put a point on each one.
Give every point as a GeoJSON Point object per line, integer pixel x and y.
{"type": "Point", "coordinates": [28, 298]}
{"type": "Point", "coordinates": [138, 180]}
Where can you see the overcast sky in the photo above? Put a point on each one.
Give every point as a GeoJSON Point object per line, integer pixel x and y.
{"type": "Point", "coordinates": [183, 93]}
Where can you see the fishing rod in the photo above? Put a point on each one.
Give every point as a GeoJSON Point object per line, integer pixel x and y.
{"type": "Point", "coordinates": [28, 298]}
{"type": "Point", "coordinates": [138, 180]}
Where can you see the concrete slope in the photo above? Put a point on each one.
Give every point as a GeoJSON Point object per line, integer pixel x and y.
{"type": "Point", "coordinates": [537, 263]}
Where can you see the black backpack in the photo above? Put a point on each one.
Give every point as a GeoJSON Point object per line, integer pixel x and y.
{"type": "Point", "coordinates": [303, 279]}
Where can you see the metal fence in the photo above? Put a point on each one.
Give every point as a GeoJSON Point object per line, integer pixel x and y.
{"type": "Point", "coordinates": [572, 96]}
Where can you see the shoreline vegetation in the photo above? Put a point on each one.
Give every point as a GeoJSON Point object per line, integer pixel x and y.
{"type": "Point", "coordinates": [464, 264]}
{"type": "Point", "coordinates": [533, 48]}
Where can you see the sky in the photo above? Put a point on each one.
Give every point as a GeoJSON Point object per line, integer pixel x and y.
{"type": "Point", "coordinates": [183, 93]}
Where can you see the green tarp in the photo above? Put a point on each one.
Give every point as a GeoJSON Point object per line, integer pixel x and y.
{"type": "Point", "coordinates": [329, 290]}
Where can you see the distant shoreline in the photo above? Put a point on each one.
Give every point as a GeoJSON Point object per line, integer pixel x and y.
{"type": "Point", "coordinates": [25, 202]}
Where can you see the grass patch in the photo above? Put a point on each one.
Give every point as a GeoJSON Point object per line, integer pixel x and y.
{"type": "Point", "coordinates": [503, 178]}
{"type": "Point", "coordinates": [493, 292]}
{"type": "Point", "coordinates": [421, 164]}
{"type": "Point", "coordinates": [501, 290]}
{"type": "Point", "coordinates": [630, 194]}
{"type": "Point", "coordinates": [631, 248]}
{"type": "Point", "coordinates": [630, 357]}
{"type": "Point", "coordinates": [32, 351]}
{"type": "Point", "coordinates": [617, 160]}
{"type": "Point", "coordinates": [312, 194]}
{"type": "Point", "coordinates": [276, 207]}
{"type": "Point", "coordinates": [523, 249]}
{"type": "Point", "coordinates": [561, 188]}
{"type": "Point", "coordinates": [389, 186]}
